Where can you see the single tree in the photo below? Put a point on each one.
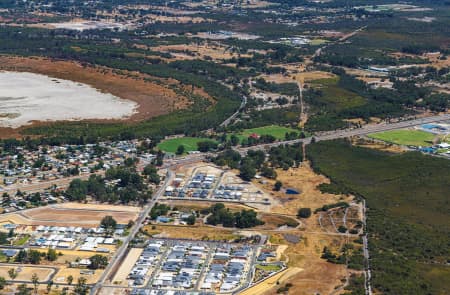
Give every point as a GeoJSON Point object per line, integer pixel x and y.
{"type": "Point", "coordinates": [81, 288]}
{"type": "Point", "coordinates": [12, 273]}
{"type": "Point", "coordinates": [49, 286]}
{"type": "Point", "coordinates": [98, 261]}
{"type": "Point", "coordinates": [23, 290]}
{"type": "Point", "coordinates": [69, 279]}
{"type": "Point", "coordinates": [35, 281]}
{"type": "Point", "coordinates": [108, 223]}
{"type": "Point", "coordinates": [51, 254]}
{"type": "Point", "coordinates": [180, 150]}
{"type": "Point", "coordinates": [277, 186]}
{"type": "Point", "coordinates": [304, 212]}
{"type": "Point", "coordinates": [2, 283]}
{"type": "Point", "coordinates": [234, 140]}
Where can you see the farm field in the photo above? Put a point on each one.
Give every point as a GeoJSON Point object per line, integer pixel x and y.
{"type": "Point", "coordinates": [405, 137]}
{"type": "Point", "coordinates": [276, 131]}
{"type": "Point", "coordinates": [189, 143]}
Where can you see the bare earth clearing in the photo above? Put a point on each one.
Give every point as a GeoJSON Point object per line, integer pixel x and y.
{"type": "Point", "coordinates": [65, 216]}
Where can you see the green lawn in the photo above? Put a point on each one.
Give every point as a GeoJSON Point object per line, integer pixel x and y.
{"type": "Point", "coordinates": [277, 131]}
{"type": "Point", "coordinates": [316, 42]}
{"type": "Point", "coordinates": [189, 143]}
{"type": "Point", "coordinates": [405, 137]}
{"type": "Point", "coordinates": [268, 267]}
{"type": "Point", "coordinates": [21, 240]}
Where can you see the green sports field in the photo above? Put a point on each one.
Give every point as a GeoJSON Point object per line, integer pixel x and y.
{"type": "Point", "coordinates": [276, 131]}
{"type": "Point", "coordinates": [189, 143]}
{"type": "Point", "coordinates": [405, 137]}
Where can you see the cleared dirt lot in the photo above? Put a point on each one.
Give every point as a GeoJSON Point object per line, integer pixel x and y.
{"type": "Point", "coordinates": [76, 216]}
{"type": "Point", "coordinates": [26, 272]}
{"type": "Point", "coordinates": [89, 216]}
{"type": "Point", "coordinates": [127, 266]}
{"type": "Point", "coordinates": [106, 207]}
{"type": "Point", "coordinates": [63, 273]}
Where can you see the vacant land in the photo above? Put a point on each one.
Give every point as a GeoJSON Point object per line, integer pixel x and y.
{"type": "Point", "coordinates": [65, 216]}
{"type": "Point", "coordinates": [196, 232]}
{"type": "Point", "coordinates": [405, 137]}
{"type": "Point", "coordinates": [78, 216]}
{"type": "Point", "coordinates": [126, 266]}
{"type": "Point", "coordinates": [62, 275]}
{"type": "Point", "coordinates": [189, 143]}
{"type": "Point", "coordinates": [317, 276]}
{"type": "Point", "coordinates": [27, 272]}
{"type": "Point", "coordinates": [408, 212]}
{"type": "Point", "coordinates": [305, 181]}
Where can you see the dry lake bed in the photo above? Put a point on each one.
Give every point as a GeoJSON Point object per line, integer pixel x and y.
{"type": "Point", "coordinates": [28, 97]}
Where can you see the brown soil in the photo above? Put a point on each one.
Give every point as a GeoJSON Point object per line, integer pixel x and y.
{"type": "Point", "coordinates": [378, 145]}
{"type": "Point", "coordinates": [317, 275]}
{"type": "Point", "coordinates": [305, 181]}
{"type": "Point", "coordinates": [69, 217]}
{"type": "Point", "coordinates": [153, 99]}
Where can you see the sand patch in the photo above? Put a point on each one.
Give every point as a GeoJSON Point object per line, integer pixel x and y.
{"type": "Point", "coordinates": [127, 265]}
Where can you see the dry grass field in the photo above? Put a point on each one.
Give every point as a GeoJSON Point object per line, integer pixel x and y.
{"type": "Point", "coordinates": [64, 272]}
{"type": "Point", "coordinates": [26, 272]}
{"type": "Point", "coordinates": [195, 232]}
{"type": "Point", "coordinates": [271, 282]}
{"type": "Point", "coordinates": [214, 51]}
{"type": "Point", "coordinates": [317, 275]}
{"type": "Point", "coordinates": [305, 181]}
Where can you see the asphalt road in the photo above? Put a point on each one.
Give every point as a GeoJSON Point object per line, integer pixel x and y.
{"type": "Point", "coordinates": [352, 132]}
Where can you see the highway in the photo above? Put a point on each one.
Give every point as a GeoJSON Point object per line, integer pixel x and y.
{"type": "Point", "coordinates": [351, 132]}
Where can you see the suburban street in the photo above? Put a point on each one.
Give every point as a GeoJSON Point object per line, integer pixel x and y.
{"type": "Point", "coordinates": [139, 222]}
